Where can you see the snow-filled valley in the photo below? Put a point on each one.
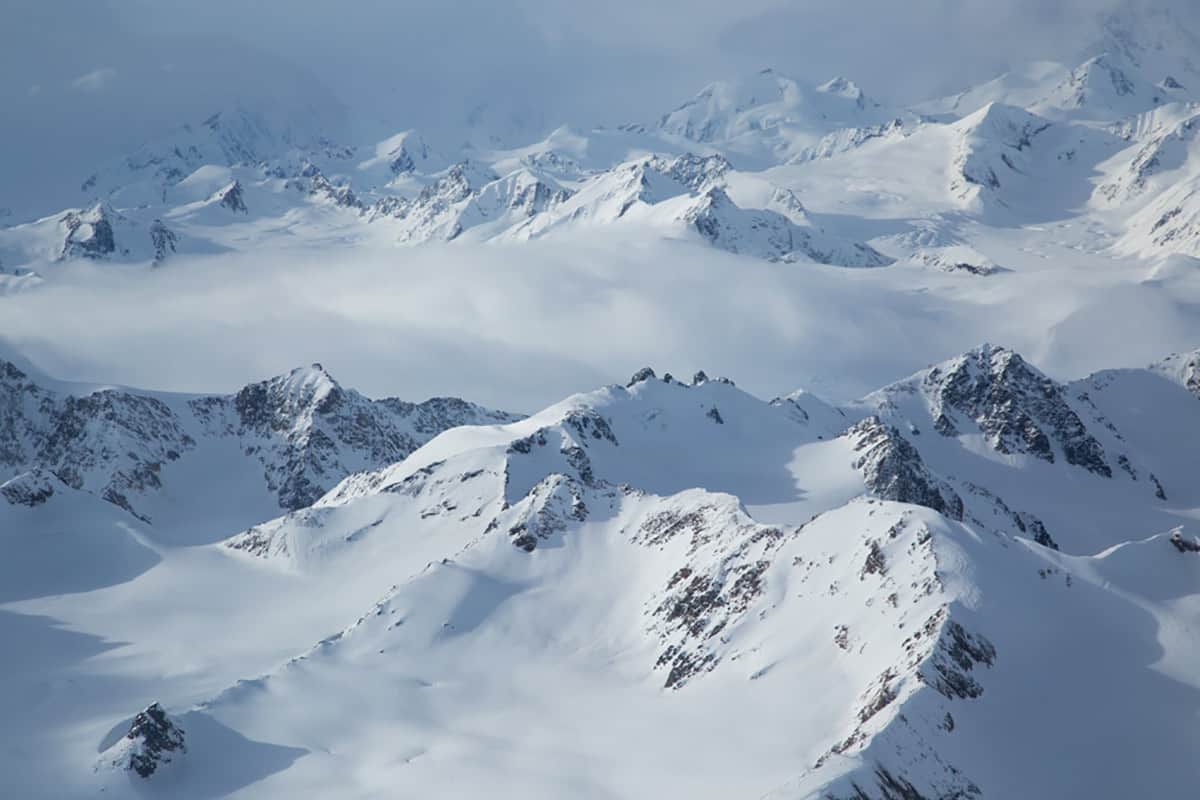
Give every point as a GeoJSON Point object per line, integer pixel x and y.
{"type": "Point", "coordinates": [935, 537]}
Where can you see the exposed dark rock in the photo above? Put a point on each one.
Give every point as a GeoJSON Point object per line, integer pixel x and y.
{"type": "Point", "coordinates": [587, 424]}
{"type": "Point", "coordinates": [1158, 487]}
{"type": "Point", "coordinates": [876, 563]}
{"type": "Point", "coordinates": [553, 504]}
{"type": "Point", "coordinates": [893, 470]}
{"type": "Point", "coordinates": [880, 696]}
{"type": "Point", "coordinates": [232, 198]}
{"type": "Point", "coordinates": [956, 655]}
{"type": "Point", "coordinates": [714, 589]}
{"type": "Point", "coordinates": [525, 446]}
{"type": "Point", "coordinates": [88, 234]}
{"type": "Point", "coordinates": [1038, 531]}
{"type": "Point", "coordinates": [307, 434]}
{"type": "Point", "coordinates": [1185, 545]}
{"type": "Point", "coordinates": [340, 194]}
{"type": "Point", "coordinates": [110, 442]}
{"type": "Point", "coordinates": [1019, 409]}
{"type": "Point", "coordinates": [643, 374]}
{"type": "Point", "coordinates": [156, 741]}
{"type": "Point", "coordinates": [28, 489]}
{"type": "Point", "coordinates": [163, 240]}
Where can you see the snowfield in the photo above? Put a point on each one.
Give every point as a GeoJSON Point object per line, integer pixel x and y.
{"type": "Point", "coordinates": [935, 537]}
{"type": "Point", "coordinates": [652, 587]}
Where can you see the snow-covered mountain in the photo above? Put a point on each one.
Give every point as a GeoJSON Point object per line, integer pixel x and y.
{"type": "Point", "coordinates": [1081, 141]}
{"type": "Point", "coordinates": [277, 444]}
{"type": "Point", "coordinates": [981, 580]}
{"type": "Point", "coordinates": [900, 583]}
{"type": "Point", "coordinates": [772, 117]}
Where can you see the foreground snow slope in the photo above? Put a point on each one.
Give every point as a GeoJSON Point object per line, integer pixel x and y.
{"type": "Point", "coordinates": [901, 597]}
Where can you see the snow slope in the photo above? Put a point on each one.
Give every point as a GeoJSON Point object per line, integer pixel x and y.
{"type": "Point", "coordinates": [876, 599]}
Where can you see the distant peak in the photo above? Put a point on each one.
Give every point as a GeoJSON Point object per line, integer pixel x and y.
{"type": "Point", "coordinates": [313, 372]}
{"type": "Point", "coordinates": [643, 374]}
{"type": "Point", "coordinates": [840, 85]}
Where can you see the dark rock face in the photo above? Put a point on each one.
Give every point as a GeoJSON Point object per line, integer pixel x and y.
{"type": "Point", "coordinates": [111, 442]}
{"type": "Point", "coordinates": [1185, 545]}
{"type": "Point", "coordinates": [156, 741]}
{"type": "Point", "coordinates": [29, 489]}
{"type": "Point", "coordinates": [232, 198]}
{"type": "Point", "coordinates": [1022, 521]}
{"type": "Point", "coordinates": [536, 197]}
{"type": "Point", "coordinates": [340, 194]}
{"type": "Point", "coordinates": [893, 470]}
{"type": "Point", "coordinates": [890, 785]}
{"type": "Point", "coordinates": [554, 504]}
{"type": "Point", "coordinates": [587, 424]}
{"type": "Point", "coordinates": [643, 374]}
{"type": "Point", "coordinates": [163, 239]}
{"type": "Point", "coordinates": [305, 430]}
{"type": "Point", "coordinates": [954, 658]}
{"type": "Point", "coordinates": [1018, 408]}
{"type": "Point", "coordinates": [308, 432]}
{"type": "Point", "coordinates": [709, 594]}
{"type": "Point", "coordinates": [1187, 366]}
{"type": "Point", "coordinates": [401, 159]}
{"type": "Point", "coordinates": [88, 234]}
{"type": "Point", "coordinates": [690, 170]}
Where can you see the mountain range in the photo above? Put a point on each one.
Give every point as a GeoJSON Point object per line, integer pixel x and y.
{"type": "Point", "coordinates": [875, 599]}
{"type": "Point", "coordinates": [981, 580]}
{"type": "Point", "coordinates": [1106, 143]}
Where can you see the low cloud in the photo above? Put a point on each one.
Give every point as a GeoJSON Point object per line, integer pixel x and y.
{"type": "Point", "coordinates": [524, 325]}
{"type": "Point", "coordinates": [95, 80]}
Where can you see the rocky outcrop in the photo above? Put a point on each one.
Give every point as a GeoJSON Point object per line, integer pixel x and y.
{"type": "Point", "coordinates": [305, 430]}
{"type": "Point", "coordinates": [1018, 409]}
{"type": "Point", "coordinates": [152, 743]}
{"type": "Point", "coordinates": [308, 432]}
{"type": "Point", "coordinates": [725, 575]}
{"type": "Point", "coordinates": [29, 488]}
{"type": "Point", "coordinates": [231, 197]}
{"type": "Point", "coordinates": [893, 470]}
{"type": "Point", "coordinates": [1184, 545]}
{"type": "Point", "coordinates": [163, 240]}
{"type": "Point", "coordinates": [88, 234]}
{"type": "Point", "coordinates": [111, 442]}
{"type": "Point", "coordinates": [551, 506]}
{"type": "Point", "coordinates": [1183, 368]}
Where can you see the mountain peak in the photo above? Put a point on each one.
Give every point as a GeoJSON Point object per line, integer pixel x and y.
{"type": "Point", "coordinates": [1017, 408]}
